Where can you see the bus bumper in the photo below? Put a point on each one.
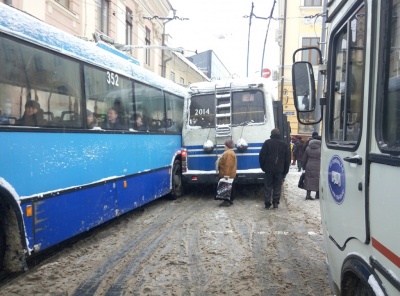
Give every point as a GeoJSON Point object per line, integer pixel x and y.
{"type": "Point", "coordinates": [241, 178]}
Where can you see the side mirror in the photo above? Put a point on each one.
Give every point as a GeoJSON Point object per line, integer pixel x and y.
{"type": "Point", "coordinates": [303, 87]}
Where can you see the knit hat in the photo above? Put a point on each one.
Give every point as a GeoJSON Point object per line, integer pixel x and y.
{"type": "Point", "coordinates": [229, 143]}
{"type": "Point", "coordinates": [32, 104]}
{"type": "Point", "coordinates": [275, 131]}
{"type": "Point", "coordinates": [314, 134]}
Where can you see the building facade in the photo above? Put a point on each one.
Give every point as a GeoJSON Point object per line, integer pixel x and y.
{"type": "Point", "coordinates": [300, 26]}
{"type": "Point", "coordinates": [209, 63]}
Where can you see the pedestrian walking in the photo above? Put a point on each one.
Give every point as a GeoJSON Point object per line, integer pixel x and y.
{"type": "Point", "coordinates": [311, 165]}
{"type": "Point", "coordinates": [226, 166]}
{"type": "Point", "coordinates": [274, 160]}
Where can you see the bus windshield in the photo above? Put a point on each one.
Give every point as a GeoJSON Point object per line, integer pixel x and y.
{"type": "Point", "coordinates": [247, 107]}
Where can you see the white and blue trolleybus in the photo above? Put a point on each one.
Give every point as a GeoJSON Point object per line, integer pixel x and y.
{"type": "Point", "coordinates": [360, 151]}
{"type": "Point", "coordinates": [243, 110]}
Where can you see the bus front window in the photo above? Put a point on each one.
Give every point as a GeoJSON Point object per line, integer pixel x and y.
{"type": "Point", "coordinates": [202, 111]}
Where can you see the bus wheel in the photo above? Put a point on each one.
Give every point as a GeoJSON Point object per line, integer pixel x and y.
{"type": "Point", "coordinates": [2, 245]}
{"type": "Point", "coordinates": [177, 187]}
{"type": "Point", "coordinates": [363, 289]}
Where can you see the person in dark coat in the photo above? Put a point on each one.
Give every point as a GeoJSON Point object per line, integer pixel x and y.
{"type": "Point", "coordinates": [298, 152]}
{"type": "Point", "coordinates": [313, 136]}
{"type": "Point", "coordinates": [274, 160]}
{"type": "Point", "coordinates": [311, 164]}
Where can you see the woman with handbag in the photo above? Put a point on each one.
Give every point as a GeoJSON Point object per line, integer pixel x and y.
{"type": "Point", "coordinates": [311, 165]}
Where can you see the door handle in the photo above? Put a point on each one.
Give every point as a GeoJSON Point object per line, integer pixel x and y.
{"type": "Point", "coordinates": [355, 159]}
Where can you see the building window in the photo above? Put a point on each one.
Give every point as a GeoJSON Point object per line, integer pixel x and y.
{"type": "Point", "coordinates": [310, 55]}
{"type": "Point", "coordinates": [172, 76]}
{"type": "Point", "coordinates": [103, 9]}
{"type": "Point", "coordinates": [128, 33]}
{"type": "Point", "coordinates": [64, 3]}
{"type": "Point", "coordinates": [312, 2]}
{"type": "Point", "coordinates": [147, 59]}
{"type": "Point", "coordinates": [182, 81]}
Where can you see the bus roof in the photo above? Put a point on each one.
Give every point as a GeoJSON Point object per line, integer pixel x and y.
{"type": "Point", "coordinates": [234, 84]}
{"type": "Point", "coordinates": [26, 27]}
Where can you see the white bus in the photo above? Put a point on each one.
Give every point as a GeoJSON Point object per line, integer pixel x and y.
{"type": "Point", "coordinates": [243, 110]}
{"type": "Point", "coordinates": [360, 152]}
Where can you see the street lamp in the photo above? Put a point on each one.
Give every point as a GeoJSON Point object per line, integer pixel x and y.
{"type": "Point", "coordinates": [166, 20]}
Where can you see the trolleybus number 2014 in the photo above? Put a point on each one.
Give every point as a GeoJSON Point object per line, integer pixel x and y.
{"type": "Point", "coordinates": [201, 111]}
{"type": "Point", "coordinates": [112, 78]}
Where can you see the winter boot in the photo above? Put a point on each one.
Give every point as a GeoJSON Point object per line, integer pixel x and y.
{"type": "Point", "coordinates": [317, 195]}
{"type": "Point", "coordinates": [308, 196]}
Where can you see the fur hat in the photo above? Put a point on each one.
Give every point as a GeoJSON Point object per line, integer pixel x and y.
{"type": "Point", "coordinates": [229, 143]}
{"type": "Point", "coordinates": [33, 104]}
{"type": "Point", "coordinates": [275, 131]}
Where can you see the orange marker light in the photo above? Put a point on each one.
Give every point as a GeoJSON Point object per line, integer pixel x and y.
{"type": "Point", "coordinates": [28, 211]}
{"type": "Point", "coordinates": [125, 184]}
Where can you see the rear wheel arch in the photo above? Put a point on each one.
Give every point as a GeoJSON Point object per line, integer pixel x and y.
{"type": "Point", "coordinates": [176, 175]}
{"type": "Point", "coordinates": [354, 279]}
{"type": "Point", "coordinates": [11, 222]}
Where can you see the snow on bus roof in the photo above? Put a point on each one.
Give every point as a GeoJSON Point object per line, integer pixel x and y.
{"type": "Point", "coordinates": [26, 27]}
{"type": "Point", "coordinates": [234, 83]}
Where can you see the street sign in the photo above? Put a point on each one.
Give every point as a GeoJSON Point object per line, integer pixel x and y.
{"type": "Point", "coordinates": [266, 73]}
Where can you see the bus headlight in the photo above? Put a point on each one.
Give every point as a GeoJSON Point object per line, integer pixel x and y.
{"type": "Point", "coordinates": [241, 145]}
{"type": "Point", "coordinates": [208, 146]}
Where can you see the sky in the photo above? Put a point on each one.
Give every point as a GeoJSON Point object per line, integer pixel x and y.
{"type": "Point", "coordinates": [220, 25]}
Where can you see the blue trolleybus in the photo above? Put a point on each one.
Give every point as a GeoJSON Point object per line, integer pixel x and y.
{"type": "Point", "coordinates": [243, 110]}
{"type": "Point", "coordinates": [60, 175]}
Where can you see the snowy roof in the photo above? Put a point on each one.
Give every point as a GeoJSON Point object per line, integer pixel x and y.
{"type": "Point", "coordinates": [190, 64]}
{"type": "Point", "coordinates": [22, 25]}
{"type": "Point", "coordinates": [233, 83]}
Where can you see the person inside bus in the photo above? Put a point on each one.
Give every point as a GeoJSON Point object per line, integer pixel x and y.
{"type": "Point", "coordinates": [91, 120]}
{"type": "Point", "coordinates": [138, 122]}
{"type": "Point", "coordinates": [33, 115]}
{"type": "Point", "coordinates": [113, 121]}
{"type": "Point", "coordinates": [226, 165]}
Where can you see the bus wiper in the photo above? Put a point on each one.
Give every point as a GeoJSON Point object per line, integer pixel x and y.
{"type": "Point", "coordinates": [245, 123]}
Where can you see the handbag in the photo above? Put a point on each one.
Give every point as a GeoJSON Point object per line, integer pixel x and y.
{"type": "Point", "coordinates": [301, 180]}
{"type": "Point", "coordinates": [224, 189]}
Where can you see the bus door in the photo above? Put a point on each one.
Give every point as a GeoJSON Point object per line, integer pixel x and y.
{"type": "Point", "coordinates": [343, 165]}
{"type": "Point", "coordinates": [343, 149]}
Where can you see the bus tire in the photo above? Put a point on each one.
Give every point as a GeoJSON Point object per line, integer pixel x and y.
{"type": "Point", "coordinates": [177, 184]}
{"type": "Point", "coordinates": [2, 244]}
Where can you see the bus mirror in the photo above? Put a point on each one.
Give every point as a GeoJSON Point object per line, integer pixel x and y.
{"type": "Point", "coordinates": [303, 87]}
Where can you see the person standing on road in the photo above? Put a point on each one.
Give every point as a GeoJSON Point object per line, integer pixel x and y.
{"type": "Point", "coordinates": [311, 164]}
{"type": "Point", "coordinates": [298, 152]}
{"type": "Point", "coordinates": [313, 136]}
{"type": "Point", "coordinates": [226, 165]}
{"type": "Point", "coordinates": [274, 160]}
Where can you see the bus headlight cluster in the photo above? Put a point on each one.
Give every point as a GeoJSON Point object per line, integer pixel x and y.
{"type": "Point", "coordinates": [241, 145]}
{"type": "Point", "coordinates": [208, 146]}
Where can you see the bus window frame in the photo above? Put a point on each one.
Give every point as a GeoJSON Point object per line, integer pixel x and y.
{"type": "Point", "coordinates": [382, 92]}
{"type": "Point", "coordinates": [343, 26]}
